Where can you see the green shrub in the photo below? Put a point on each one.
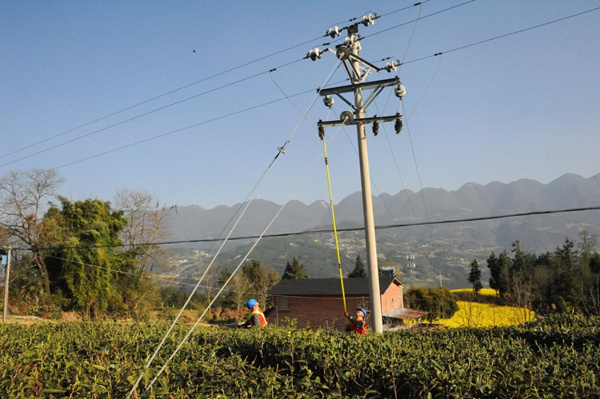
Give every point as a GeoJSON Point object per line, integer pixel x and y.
{"type": "Point", "coordinates": [552, 357]}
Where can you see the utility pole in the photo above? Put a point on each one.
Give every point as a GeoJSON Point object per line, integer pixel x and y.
{"type": "Point", "coordinates": [358, 69]}
{"type": "Point", "coordinates": [6, 280]}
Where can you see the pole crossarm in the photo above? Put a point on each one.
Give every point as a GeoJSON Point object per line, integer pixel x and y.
{"type": "Point", "coordinates": [355, 121]}
{"type": "Point", "coordinates": [377, 87]}
{"type": "Point", "coordinates": [365, 86]}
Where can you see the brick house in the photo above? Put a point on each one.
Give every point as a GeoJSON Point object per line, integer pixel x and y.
{"type": "Point", "coordinates": [317, 302]}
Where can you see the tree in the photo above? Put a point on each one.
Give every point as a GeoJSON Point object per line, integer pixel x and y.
{"type": "Point", "coordinates": [439, 302]}
{"type": "Point", "coordinates": [83, 264]}
{"type": "Point", "coordinates": [147, 219]}
{"type": "Point", "coordinates": [261, 279]}
{"type": "Point", "coordinates": [237, 292]}
{"type": "Point", "coordinates": [475, 276]}
{"type": "Point", "coordinates": [24, 196]}
{"type": "Point", "coordinates": [586, 248]}
{"type": "Point", "coordinates": [591, 300]}
{"type": "Point", "coordinates": [566, 281]}
{"type": "Point", "coordinates": [294, 270]}
{"type": "Point", "coordinates": [499, 272]}
{"type": "Point", "coordinates": [520, 277]}
{"type": "Point", "coordinates": [359, 268]}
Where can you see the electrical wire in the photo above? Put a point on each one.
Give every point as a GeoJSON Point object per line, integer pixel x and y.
{"type": "Point", "coordinates": [174, 91]}
{"type": "Point", "coordinates": [335, 235]}
{"type": "Point", "coordinates": [419, 3]}
{"type": "Point", "coordinates": [389, 96]}
{"type": "Point", "coordinates": [243, 260]}
{"type": "Point", "coordinates": [143, 114]}
{"type": "Point", "coordinates": [420, 18]}
{"type": "Point", "coordinates": [410, 205]}
{"type": "Point", "coordinates": [412, 147]}
{"type": "Point", "coordinates": [281, 150]}
{"type": "Point", "coordinates": [165, 94]}
{"type": "Point", "coordinates": [258, 185]}
{"type": "Point", "coordinates": [394, 27]}
{"type": "Point", "coordinates": [177, 130]}
{"type": "Point", "coordinates": [412, 34]}
{"type": "Point", "coordinates": [503, 35]}
{"type": "Point", "coordinates": [407, 62]}
{"type": "Point", "coordinates": [348, 229]}
{"type": "Point", "coordinates": [373, 183]}
{"type": "Point", "coordinates": [145, 275]}
{"type": "Point", "coordinates": [157, 109]}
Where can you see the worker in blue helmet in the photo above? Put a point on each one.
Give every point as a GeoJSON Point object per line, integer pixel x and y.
{"type": "Point", "coordinates": [257, 317]}
{"type": "Point", "coordinates": [358, 324]}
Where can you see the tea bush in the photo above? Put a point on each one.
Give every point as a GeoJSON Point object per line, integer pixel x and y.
{"type": "Point", "coordinates": [551, 357]}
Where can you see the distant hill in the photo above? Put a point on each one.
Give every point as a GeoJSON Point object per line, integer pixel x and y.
{"type": "Point", "coordinates": [441, 251]}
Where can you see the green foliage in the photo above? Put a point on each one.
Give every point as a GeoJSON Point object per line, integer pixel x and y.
{"type": "Point", "coordinates": [551, 357]}
{"type": "Point", "coordinates": [439, 302]}
{"type": "Point", "coordinates": [359, 269]}
{"type": "Point", "coordinates": [83, 265]}
{"type": "Point", "coordinates": [499, 272]}
{"type": "Point", "coordinates": [174, 298]}
{"type": "Point", "coordinates": [475, 276]}
{"type": "Point", "coordinates": [254, 281]}
{"type": "Point", "coordinates": [294, 270]}
{"type": "Point", "coordinates": [568, 278]}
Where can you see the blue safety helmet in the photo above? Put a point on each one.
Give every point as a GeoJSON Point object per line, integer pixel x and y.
{"type": "Point", "coordinates": [362, 310]}
{"type": "Point", "coordinates": [251, 303]}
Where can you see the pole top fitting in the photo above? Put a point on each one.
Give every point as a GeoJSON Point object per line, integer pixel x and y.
{"type": "Point", "coordinates": [347, 117]}
{"type": "Point", "coordinates": [343, 53]}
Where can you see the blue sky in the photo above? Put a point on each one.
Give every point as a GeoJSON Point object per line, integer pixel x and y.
{"type": "Point", "coordinates": [178, 96]}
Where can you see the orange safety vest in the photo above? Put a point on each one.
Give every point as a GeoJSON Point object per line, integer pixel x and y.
{"type": "Point", "coordinates": [358, 330]}
{"type": "Point", "coordinates": [261, 317]}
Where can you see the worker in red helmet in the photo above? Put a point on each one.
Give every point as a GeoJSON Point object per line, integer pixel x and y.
{"type": "Point", "coordinates": [257, 318]}
{"type": "Point", "coordinates": [358, 324]}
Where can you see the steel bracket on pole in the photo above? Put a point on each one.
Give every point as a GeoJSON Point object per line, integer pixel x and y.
{"type": "Point", "coordinates": [377, 86]}
{"type": "Point", "coordinates": [354, 121]}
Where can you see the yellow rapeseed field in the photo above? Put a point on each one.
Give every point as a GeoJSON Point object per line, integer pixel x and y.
{"type": "Point", "coordinates": [482, 292]}
{"type": "Point", "coordinates": [474, 314]}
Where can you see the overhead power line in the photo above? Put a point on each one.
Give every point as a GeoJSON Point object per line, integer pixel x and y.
{"type": "Point", "coordinates": [165, 278]}
{"type": "Point", "coordinates": [349, 229]}
{"type": "Point", "coordinates": [145, 114]}
{"type": "Point", "coordinates": [175, 103]}
{"type": "Point", "coordinates": [419, 18]}
{"type": "Point", "coordinates": [501, 36]}
{"type": "Point", "coordinates": [271, 102]}
{"type": "Point", "coordinates": [264, 104]}
{"type": "Point", "coordinates": [174, 91]}
{"type": "Point", "coordinates": [180, 129]}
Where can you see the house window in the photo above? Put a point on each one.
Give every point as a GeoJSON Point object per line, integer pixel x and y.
{"type": "Point", "coordinates": [284, 303]}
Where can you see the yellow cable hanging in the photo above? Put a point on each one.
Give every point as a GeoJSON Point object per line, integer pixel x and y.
{"type": "Point", "coordinates": [337, 245]}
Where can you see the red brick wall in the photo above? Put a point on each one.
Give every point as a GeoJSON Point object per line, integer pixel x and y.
{"type": "Point", "coordinates": [328, 312]}
{"type": "Point", "coordinates": [324, 312]}
{"type": "Point", "coordinates": [392, 299]}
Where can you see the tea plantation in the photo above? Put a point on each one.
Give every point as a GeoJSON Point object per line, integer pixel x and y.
{"type": "Point", "coordinates": [555, 356]}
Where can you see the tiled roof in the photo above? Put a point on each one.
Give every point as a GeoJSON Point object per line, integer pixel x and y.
{"type": "Point", "coordinates": [405, 314]}
{"type": "Point", "coordinates": [330, 286]}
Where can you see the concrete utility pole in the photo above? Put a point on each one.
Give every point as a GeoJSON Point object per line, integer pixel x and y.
{"type": "Point", "coordinates": [358, 69]}
{"type": "Point", "coordinates": [6, 280]}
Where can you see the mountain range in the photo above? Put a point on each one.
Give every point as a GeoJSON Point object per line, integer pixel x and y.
{"type": "Point", "coordinates": [420, 234]}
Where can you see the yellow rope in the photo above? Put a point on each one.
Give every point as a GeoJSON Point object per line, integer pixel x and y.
{"type": "Point", "coordinates": [337, 245]}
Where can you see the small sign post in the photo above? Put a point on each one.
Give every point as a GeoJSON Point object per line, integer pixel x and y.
{"type": "Point", "coordinates": [6, 261]}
